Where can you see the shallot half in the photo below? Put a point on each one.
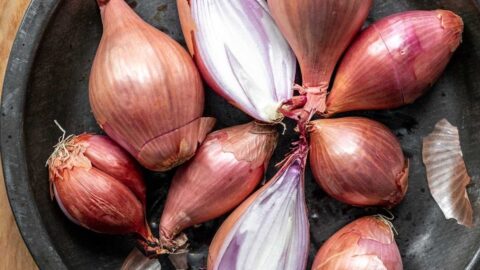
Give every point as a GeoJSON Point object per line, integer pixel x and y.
{"type": "Point", "coordinates": [241, 53]}
{"type": "Point", "coordinates": [368, 243]}
{"type": "Point", "coordinates": [145, 90]}
{"type": "Point", "coordinates": [269, 230]}
{"type": "Point", "coordinates": [99, 186]}
{"type": "Point", "coordinates": [395, 60]}
{"type": "Point", "coordinates": [358, 161]}
{"type": "Point", "coordinates": [228, 166]}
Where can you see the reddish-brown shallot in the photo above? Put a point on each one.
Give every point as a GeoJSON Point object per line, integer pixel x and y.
{"type": "Point", "coordinates": [395, 60]}
{"type": "Point", "coordinates": [145, 90]}
{"type": "Point", "coordinates": [365, 244]}
{"type": "Point", "coordinates": [446, 172]}
{"type": "Point", "coordinates": [99, 186]}
{"type": "Point", "coordinates": [228, 166]}
{"type": "Point", "coordinates": [241, 53]}
{"type": "Point", "coordinates": [319, 31]}
{"type": "Point", "coordinates": [358, 161]}
{"type": "Point", "coordinates": [270, 229]}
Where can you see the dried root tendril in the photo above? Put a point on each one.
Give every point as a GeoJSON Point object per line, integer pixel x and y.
{"type": "Point", "coordinates": [66, 155]}
{"type": "Point", "coordinates": [388, 220]}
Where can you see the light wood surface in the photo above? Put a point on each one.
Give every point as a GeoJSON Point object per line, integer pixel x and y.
{"type": "Point", "coordinates": [14, 254]}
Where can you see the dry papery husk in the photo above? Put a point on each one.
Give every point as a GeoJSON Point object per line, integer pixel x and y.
{"type": "Point", "coordinates": [367, 243]}
{"type": "Point", "coordinates": [447, 174]}
{"type": "Point", "coordinates": [99, 186]}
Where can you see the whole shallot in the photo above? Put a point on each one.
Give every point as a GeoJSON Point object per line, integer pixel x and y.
{"type": "Point", "coordinates": [228, 166]}
{"type": "Point", "coordinates": [145, 90]}
{"type": "Point", "coordinates": [241, 53]}
{"type": "Point", "coordinates": [319, 31]}
{"type": "Point", "coordinates": [270, 229]}
{"type": "Point", "coordinates": [99, 186]}
{"type": "Point", "coordinates": [358, 161]}
{"type": "Point", "coordinates": [368, 243]}
{"type": "Point", "coordinates": [395, 60]}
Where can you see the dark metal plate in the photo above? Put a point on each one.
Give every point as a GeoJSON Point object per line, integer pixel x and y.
{"type": "Point", "coordinates": [47, 79]}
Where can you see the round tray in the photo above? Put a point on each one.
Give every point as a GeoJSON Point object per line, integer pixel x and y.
{"type": "Point", "coordinates": [47, 79]}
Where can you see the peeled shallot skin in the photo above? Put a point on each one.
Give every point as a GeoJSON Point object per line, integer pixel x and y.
{"type": "Point", "coordinates": [145, 90]}
{"type": "Point", "coordinates": [447, 174]}
{"type": "Point", "coordinates": [228, 166]}
{"type": "Point", "coordinates": [358, 161]}
{"type": "Point", "coordinates": [395, 61]}
{"type": "Point", "coordinates": [368, 243]}
{"type": "Point", "coordinates": [98, 186]}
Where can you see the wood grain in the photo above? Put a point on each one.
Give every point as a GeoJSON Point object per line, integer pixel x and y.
{"type": "Point", "coordinates": [15, 254]}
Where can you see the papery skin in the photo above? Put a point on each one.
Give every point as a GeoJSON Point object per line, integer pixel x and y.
{"type": "Point", "coordinates": [110, 158]}
{"type": "Point", "coordinates": [365, 244]}
{"type": "Point", "coordinates": [228, 166]}
{"type": "Point", "coordinates": [358, 161]}
{"type": "Point", "coordinates": [241, 53]}
{"type": "Point", "coordinates": [145, 90]}
{"type": "Point", "coordinates": [395, 61]}
{"type": "Point", "coordinates": [99, 186]}
{"type": "Point", "coordinates": [447, 174]}
{"type": "Point", "coordinates": [256, 226]}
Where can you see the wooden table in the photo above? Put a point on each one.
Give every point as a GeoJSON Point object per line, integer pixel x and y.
{"type": "Point", "coordinates": [15, 255]}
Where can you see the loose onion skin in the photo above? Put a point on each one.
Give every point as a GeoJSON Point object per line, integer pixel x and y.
{"type": "Point", "coordinates": [358, 161]}
{"type": "Point", "coordinates": [228, 166]}
{"type": "Point", "coordinates": [367, 243]}
{"type": "Point", "coordinates": [145, 90]}
{"type": "Point", "coordinates": [395, 60]}
{"type": "Point", "coordinates": [447, 175]}
{"type": "Point", "coordinates": [99, 186]}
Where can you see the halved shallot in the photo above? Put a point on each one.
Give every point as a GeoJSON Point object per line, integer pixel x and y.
{"type": "Point", "coordinates": [145, 90]}
{"type": "Point", "coordinates": [269, 230]}
{"type": "Point", "coordinates": [241, 53]}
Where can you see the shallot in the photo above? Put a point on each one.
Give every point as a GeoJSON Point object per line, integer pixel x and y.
{"type": "Point", "coordinates": [319, 31]}
{"type": "Point", "coordinates": [368, 243]}
{"type": "Point", "coordinates": [145, 90]}
{"type": "Point", "coordinates": [395, 60]}
{"type": "Point", "coordinates": [270, 229]}
{"type": "Point", "coordinates": [358, 161]}
{"type": "Point", "coordinates": [228, 166]}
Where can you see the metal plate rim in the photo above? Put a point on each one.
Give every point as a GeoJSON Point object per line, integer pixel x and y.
{"type": "Point", "coordinates": [15, 172]}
